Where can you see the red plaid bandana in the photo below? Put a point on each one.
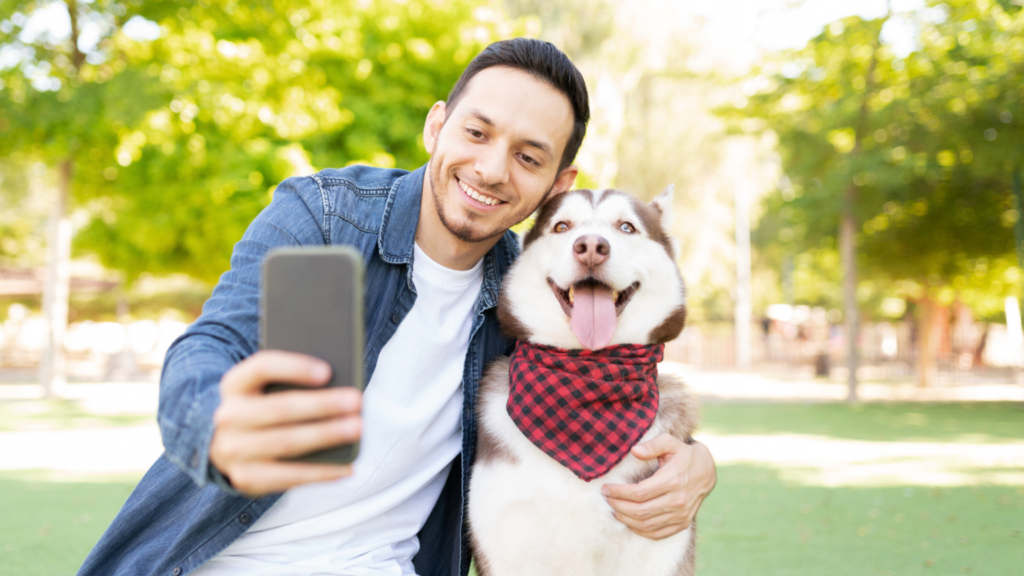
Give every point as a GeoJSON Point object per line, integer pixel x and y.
{"type": "Point", "coordinates": [584, 408]}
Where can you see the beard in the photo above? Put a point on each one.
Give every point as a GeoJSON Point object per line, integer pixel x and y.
{"type": "Point", "coordinates": [469, 229]}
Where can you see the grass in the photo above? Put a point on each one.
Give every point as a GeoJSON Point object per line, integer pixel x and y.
{"type": "Point", "coordinates": [974, 422]}
{"type": "Point", "coordinates": [756, 522]}
{"type": "Point", "coordinates": [47, 528]}
{"type": "Point", "coordinates": [59, 415]}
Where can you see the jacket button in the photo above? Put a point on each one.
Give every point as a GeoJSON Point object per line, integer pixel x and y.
{"type": "Point", "coordinates": [395, 319]}
{"type": "Point", "coordinates": [176, 571]}
{"type": "Point", "coordinates": [244, 518]}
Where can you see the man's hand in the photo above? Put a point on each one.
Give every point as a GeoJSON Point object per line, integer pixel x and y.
{"type": "Point", "coordinates": [664, 504]}
{"type": "Point", "coordinates": [253, 431]}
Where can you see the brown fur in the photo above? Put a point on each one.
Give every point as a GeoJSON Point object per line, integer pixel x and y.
{"type": "Point", "coordinates": [650, 219]}
{"type": "Point", "coordinates": [677, 408]}
{"type": "Point", "coordinates": [510, 325]}
{"type": "Point", "coordinates": [670, 329]}
{"type": "Point", "coordinates": [547, 211]}
{"type": "Point", "coordinates": [678, 411]}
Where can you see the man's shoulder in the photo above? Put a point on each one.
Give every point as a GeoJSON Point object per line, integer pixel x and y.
{"type": "Point", "coordinates": [358, 179]}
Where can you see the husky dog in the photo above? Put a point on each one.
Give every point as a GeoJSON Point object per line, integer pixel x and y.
{"type": "Point", "coordinates": [597, 273]}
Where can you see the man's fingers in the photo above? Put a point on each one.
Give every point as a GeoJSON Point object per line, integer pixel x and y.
{"type": "Point", "coordinates": [654, 528]}
{"type": "Point", "coordinates": [644, 510]}
{"type": "Point", "coordinates": [257, 479]}
{"type": "Point", "coordinates": [657, 485]}
{"type": "Point", "coordinates": [251, 375]}
{"type": "Point", "coordinates": [286, 442]}
{"type": "Point", "coordinates": [288, 407]}
{"type": "Point", "coordinates": [660, 445]}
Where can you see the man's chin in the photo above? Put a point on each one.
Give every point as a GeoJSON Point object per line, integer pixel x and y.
{"type": "Point", "coordinates": [471, 232]}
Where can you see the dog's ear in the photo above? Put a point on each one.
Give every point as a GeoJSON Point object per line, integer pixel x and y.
{"type": "Point", "coordinates": [663, 203]}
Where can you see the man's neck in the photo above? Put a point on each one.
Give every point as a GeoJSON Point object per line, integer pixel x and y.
{"type": "Point", "coordinates": [439, 243]}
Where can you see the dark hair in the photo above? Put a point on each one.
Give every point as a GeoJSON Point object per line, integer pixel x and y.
{"type": "Point", "coordinates": [545, 62]}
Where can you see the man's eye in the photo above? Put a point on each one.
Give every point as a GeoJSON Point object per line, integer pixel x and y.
{"type": "Point", "coordinates": [627, 228]}
{"type": "Point", "coordinates": [475, 133]}
{"type": "Point", "coordinates": [528, 160]}
{"type": "Point", "coordinates": [561, 227]}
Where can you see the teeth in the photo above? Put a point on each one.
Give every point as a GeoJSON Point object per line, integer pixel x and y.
{"type": "Point", "coordinates": [572, 294]}
{"type": "Point", "coordinates": [615, 295]}
{"type": "Point", "coordinates": [477, 196]}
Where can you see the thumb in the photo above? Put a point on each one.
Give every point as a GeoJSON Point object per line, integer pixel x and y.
{"type": "Point", "coordinates": [660, 445]}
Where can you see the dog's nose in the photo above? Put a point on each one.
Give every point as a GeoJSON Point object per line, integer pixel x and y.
{"type": "Point", "coordinates": [591, 250]}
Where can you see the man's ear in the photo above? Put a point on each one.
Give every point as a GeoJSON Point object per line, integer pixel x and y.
{"type": "Point", "coordinates": [432, 127]}
{"type": "Point", "coordinates": [566, 178]}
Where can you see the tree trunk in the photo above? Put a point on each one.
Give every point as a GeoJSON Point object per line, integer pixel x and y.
{"type": "Point", "coordinates": [847, 249]}
{"type": "Point", "coordinates": [926, 368]}
{"type": "Point", "coordinates": [742, 315]}
{"type": "Point", "coordinates": [56, 290]}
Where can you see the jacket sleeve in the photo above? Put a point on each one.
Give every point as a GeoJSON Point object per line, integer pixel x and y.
{"type": "Point", "coordinates": [227, 330]}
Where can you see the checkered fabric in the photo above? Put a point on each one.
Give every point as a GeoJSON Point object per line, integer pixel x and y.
{"type": "Point", "coordinates": [584, 408]}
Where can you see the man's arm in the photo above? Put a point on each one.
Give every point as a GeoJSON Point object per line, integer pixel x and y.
{"type": "Point", "coordinates": [666, 503]}
{"type": "Point", "coordinates": [226, 334]}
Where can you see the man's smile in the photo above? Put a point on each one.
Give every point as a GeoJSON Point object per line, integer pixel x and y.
{"type": "Point", "coordinates": [477, 195]}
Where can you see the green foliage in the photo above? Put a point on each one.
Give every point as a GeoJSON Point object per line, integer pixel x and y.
{"type": "Point", "coordinates": [178, 142]}
{"type": "Point", "coordinates": [927, 144]}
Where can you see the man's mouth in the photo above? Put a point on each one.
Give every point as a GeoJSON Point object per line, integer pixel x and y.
{"type": "Point", "coordinates": [477, 195]}
{"type": "Point", "coordinates": [593, 308]}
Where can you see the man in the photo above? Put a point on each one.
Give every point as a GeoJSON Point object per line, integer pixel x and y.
{"type": "Point", "coordinates": [436, 243]}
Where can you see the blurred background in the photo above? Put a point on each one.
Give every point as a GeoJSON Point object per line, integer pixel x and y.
{"type": "Point", "coordinates": [848, 195]}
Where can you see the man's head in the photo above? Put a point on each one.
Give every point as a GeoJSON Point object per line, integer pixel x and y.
{"type": "Point", "coordinates": [546, 63]}
{"type": "Point", "coordinates": [506, 138]}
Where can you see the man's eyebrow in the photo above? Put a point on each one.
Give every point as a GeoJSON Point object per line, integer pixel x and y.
{"type": "Point", "coordinates": [542, 146]}
{"type": "Point", "coordinates": [480, 116]}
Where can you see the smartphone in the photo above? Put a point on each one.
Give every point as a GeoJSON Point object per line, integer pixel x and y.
{"type": "Point", "coordinates": [312, 302]}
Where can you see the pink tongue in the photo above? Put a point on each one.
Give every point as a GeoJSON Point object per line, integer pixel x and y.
{"type": "Point", "coordinates": [593, 319]}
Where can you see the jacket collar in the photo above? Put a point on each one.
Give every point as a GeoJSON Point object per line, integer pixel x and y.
{"type": "Point", "coordinates": [398, 236]}
{"type": "Point", "coordinates": [401, 213]}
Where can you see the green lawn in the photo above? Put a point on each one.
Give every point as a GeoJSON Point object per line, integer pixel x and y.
{"type": "Point", "coordinates": [48, 527]}
{"type": "Point", "coordinates": [977, 422]}
{"type": "Point", "coordinates": [755, 522]}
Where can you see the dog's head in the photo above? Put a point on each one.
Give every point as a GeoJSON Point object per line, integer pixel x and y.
{"type": "Point", "coordinates": [598, 268]}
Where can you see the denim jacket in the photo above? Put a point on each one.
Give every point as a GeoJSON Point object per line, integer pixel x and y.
{"type": "Point", "coordinates": [183, 512]}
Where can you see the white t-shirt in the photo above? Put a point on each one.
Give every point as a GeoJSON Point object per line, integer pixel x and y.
{"type": "Point", "coordinates": [366, 524]}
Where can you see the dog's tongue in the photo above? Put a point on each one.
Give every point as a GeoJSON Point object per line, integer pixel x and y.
{"type": "Point", "coordinates": [593, 319]}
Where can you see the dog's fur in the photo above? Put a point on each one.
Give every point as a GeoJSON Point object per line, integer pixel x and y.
{"type": "Point", "coordinates": [528, 514]}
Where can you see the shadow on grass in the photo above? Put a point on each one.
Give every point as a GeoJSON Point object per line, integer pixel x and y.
{"type": "Point", "coordinates": [48, 527]}
{"type": "Point", "coordinates": [19, 415]}
{"type": "Point", "coordinates": [754, 523]}
{"type": "Point", "coordinates": [976, 422]}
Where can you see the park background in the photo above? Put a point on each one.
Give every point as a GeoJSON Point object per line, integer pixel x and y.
{"type": "Point", "coordinates": [848, 181]}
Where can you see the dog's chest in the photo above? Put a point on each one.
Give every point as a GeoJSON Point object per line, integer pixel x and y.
{"type": "Point", "coordinates": [526, 507]}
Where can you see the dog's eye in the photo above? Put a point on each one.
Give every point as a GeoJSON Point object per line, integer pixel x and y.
{"type": "Point", "coordinates": [627, 228]}
{"type": "Point", "coordinates": [561, 227]}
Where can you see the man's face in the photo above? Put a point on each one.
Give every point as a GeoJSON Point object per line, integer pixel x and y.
{"type": "Point", "coordinates": [496, 156]}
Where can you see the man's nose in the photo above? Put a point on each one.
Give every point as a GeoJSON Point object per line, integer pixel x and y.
{"type": "Point", "coordinates": [492, 165]}
{"type": "Point", "coordinates": [591, 250]}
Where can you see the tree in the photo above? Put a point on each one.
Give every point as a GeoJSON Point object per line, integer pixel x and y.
{"type": "Point", "coordinates": [59, 104]}
{"type": "Point", "coordinates": [253, 93]}
{"type": "Point", "coordinates": [170, 123]}
{"type": "Point", "coordinates": [919, 145]}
